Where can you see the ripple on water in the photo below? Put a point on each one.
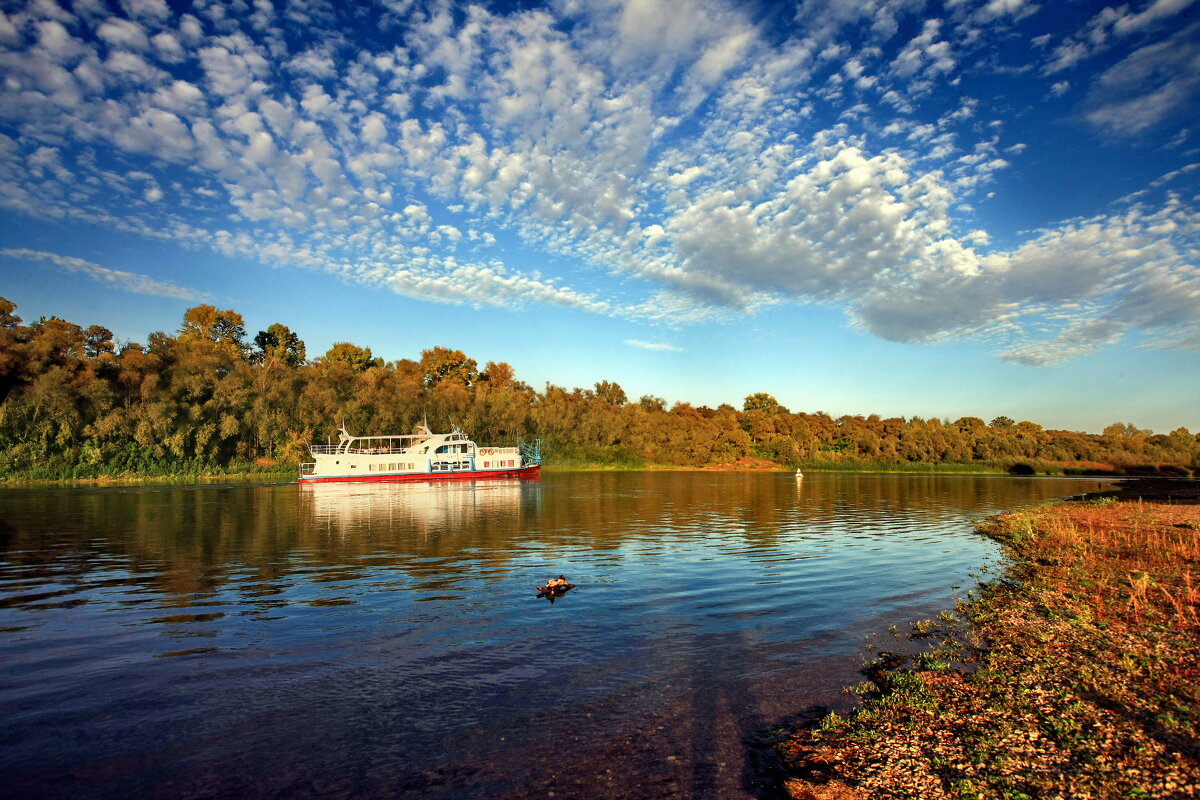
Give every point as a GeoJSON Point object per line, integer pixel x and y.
{"type": "Point", "coordinates": [374, 640]}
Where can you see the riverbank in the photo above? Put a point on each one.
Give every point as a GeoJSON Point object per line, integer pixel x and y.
{"type": "Point", "coordinates": [880, 467]}
{"type": "Point", "coordinates": [285, 472]}
{"type": "Point", "coordinates": [271, 475]}
{"type": "Point", "coordinates": [1074, 675]}
{"type": "Point", "coordinates": [288, 473]}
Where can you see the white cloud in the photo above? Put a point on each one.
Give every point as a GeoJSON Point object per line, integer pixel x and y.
{"type": "Point", "coordinates": [1105, 27]}
{"type": "Point", "coordinates": [156, 10]}
{"type": "Point", "coordinates": [123, 33]}
{"type": "Point", "coordinates": [680, 151]}
{"type": "Point", "coordinates": [926, 54]}
{"type": "Point", "coordinates": [655, 346]}
{"type": "Point", "coordinates": [113, 278]}
{"type": "Point", "coordinates": [995, 9]}
{"type": "Point", "coordinates": [1155, 82]}
{"type": "Point", "coordinates": [1155, 12]}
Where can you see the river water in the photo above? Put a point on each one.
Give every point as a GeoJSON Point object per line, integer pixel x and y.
{"type": "Point", "coordinates": [387, 641]}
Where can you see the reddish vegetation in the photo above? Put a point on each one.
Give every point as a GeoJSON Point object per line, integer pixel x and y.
{"type": "Point", "coordinates": [1078, 675]}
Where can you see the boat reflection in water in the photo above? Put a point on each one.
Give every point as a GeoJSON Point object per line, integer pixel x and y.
{"type": "Point", "coordinates": [424, 507]}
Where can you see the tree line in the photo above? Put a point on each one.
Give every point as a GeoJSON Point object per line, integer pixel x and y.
{"type": "Point", "coordinates": [74, 403]}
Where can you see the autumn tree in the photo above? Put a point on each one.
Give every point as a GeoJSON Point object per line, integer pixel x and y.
{"type": "Point", "coordinates": [649, 402]}
{"type": "Point", "coordinates": [611, 393]}
{"type": "Point", "coordinates": [98, 342]}
{"type": "Point", "coordinates": [440, 364]}
{"type": "Point", "coordinates": [359, 359]}
{"type": "Point", "coordinates": [498, 375]}
{"type": "Point", "coordinates": [761, 401]}
{"type": "Point", "coordinates": [222, 328]}
{"type": "Point", "coordinates": [72, 403]}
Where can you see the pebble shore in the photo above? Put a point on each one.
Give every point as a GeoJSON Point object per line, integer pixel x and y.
{"type": "Point", "coordinates": [1074, 675]}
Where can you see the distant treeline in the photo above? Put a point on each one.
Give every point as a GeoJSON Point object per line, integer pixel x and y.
{"type": "Point", "coordinates": [206, 399]}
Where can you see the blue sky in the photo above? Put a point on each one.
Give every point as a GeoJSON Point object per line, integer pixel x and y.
{"type": "Point", "coordinates": [970, 207]}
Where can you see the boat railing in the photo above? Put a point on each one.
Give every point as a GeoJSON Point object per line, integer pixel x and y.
{"type": "Point", "coordinates": [308, 468]}
{"type": "Point", "coordinates": [532, 453]}
{"type": "Point", "coordinates": [335, 449]}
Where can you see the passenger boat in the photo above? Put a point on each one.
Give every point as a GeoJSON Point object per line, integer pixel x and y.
{"type": "Point", "coordinates": [419, 456]}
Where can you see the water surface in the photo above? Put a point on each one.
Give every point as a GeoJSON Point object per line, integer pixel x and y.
{"type": "Point", "coordinates": [386, 641]}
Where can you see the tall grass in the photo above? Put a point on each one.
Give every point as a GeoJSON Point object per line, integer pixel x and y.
{"type": "Point", "coordinates": [1129, 559]}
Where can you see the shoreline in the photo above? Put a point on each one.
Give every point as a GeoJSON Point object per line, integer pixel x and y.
{"type": "Point", "coordinates": [1068, 676]}
{"type": "Point", "coordinates": [750, 466]}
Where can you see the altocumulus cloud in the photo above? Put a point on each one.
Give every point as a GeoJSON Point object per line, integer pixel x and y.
{"type": "Point", "coordinates": [707, 163]}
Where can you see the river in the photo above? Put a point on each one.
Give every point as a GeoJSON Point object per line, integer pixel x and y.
{"type": "Point", "coordinates": [387, 641]}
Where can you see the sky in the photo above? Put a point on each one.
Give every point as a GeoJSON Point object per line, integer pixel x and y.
{"type": "Point", "coordinates": [901, 207]}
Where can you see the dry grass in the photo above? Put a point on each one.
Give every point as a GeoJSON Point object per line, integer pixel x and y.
{"type": "Point", "coordinates": [1078, 674]}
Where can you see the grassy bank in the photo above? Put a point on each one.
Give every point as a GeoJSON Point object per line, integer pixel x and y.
{"type": "Point", "coordinates": [1073, 676]}
{"type": "Point", "coordinates": [188, 473]}
{"type": "Point", "coordinates": [906, 467]}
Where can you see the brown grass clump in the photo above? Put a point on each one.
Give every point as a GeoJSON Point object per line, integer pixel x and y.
{"type": "Point", "coordinates": [1077, 675]}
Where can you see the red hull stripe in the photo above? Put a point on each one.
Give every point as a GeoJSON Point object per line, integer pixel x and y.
{"type": "Point", "coordinates": [525, 472]}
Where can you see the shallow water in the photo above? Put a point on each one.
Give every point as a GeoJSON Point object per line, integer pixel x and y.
{"type": "Point", "coordinates": [370, 641]}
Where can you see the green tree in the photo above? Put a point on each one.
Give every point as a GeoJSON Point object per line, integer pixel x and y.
{"type": "Point", "coordinates": [278, 341]}
{"type": "Point", "coordinates": [13, 355]}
